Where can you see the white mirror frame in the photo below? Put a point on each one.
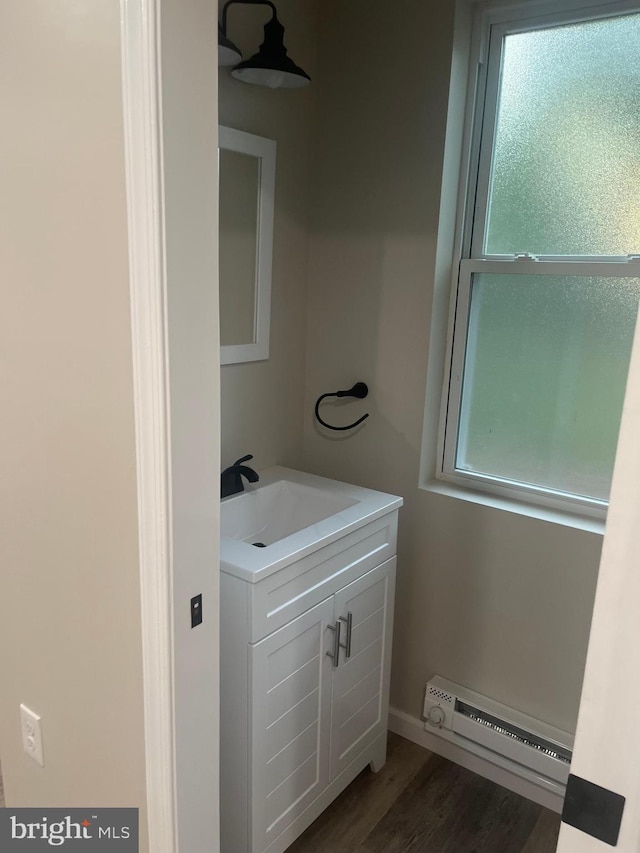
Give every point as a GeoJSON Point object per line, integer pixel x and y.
{"type": "Point", "coordinates": [265, 150]}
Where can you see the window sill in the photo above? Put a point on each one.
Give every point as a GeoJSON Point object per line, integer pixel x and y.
{"type": "Point", "coordinates": [542, 513]}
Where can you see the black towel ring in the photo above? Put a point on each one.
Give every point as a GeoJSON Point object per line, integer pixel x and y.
{"type": "Point", "coordinates": [359, 390]}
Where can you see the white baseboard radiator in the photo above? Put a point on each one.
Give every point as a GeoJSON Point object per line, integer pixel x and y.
{"type": "Point", "coordinates": [514, 741]}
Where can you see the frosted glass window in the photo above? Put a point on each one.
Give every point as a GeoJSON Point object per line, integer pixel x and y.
{"type": "Point", "coordinates": [544, 379]}
{"type": "Point", "coordinates": [565, 177]}
{"type": "Point", "coordinates": [549, 258]}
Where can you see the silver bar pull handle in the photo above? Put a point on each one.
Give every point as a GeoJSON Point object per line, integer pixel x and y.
{"type": "Point", "coordinates": [335, 654]}
{"type": "Point", "coordinates": [347, 645]}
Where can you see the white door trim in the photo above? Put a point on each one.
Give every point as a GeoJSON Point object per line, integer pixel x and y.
{"type": "Point", "coordinates": [171, 143]}
{"type": "Point", "coordinates": [143, 154]}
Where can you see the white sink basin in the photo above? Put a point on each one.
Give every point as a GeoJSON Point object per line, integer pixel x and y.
{"type": "Point", "coordinates": [289, 514]}
{"type": "Point", "coordinates": [268, 514]}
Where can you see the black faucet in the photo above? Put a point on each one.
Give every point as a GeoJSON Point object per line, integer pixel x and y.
{"type": "Point", "coordinates": [231, 478]}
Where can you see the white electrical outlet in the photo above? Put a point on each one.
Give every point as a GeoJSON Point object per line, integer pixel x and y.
{"type": "Point", "coordinates": [32, 734]}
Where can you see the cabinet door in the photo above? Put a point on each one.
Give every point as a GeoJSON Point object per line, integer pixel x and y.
{"type": "Point", "coordinates": [361, 683]}
{"type": "Point", "coordinates": [291, 706]}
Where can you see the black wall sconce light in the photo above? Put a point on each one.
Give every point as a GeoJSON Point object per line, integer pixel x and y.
{"type": "Point", "coordinates": [270, 66]}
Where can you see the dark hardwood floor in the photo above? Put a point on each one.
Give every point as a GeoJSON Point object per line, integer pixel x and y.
{"type": "Point", "coordinates": [421, 803]}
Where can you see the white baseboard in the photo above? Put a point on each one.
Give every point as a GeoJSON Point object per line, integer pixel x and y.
{"type": "Point", "coordinates": [413, 729]}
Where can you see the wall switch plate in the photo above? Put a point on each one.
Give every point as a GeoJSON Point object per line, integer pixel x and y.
{"type": "Point", "coordinates": [32, 734]}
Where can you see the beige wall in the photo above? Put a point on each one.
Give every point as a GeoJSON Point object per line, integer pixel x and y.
{"type": "Point", "coordinates": [497, 601]}
{"type": "Point", "coordinates": [69, 606]}
{"type": "Point", "coordinates": [262, 402]}
{"type": "Point", "coordinates": [493, 600]}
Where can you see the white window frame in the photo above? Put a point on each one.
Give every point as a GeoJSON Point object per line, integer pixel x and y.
{"type": "Point", "coordinates": [491, 22]}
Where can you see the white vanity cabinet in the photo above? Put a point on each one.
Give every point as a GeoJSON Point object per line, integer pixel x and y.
{"type": "Point", "coordinates": [312, 718]}
{"type": "Point", "coordinates": [305, 658]}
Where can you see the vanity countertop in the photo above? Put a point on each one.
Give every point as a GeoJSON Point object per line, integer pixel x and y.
{"type": "Point", "coordinates": [356, 507]}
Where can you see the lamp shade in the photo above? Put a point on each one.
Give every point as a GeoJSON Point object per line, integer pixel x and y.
{"type": "Point", "coordinates": [271, 66]}
{"type": "Point", "coordinates": [228, 53]}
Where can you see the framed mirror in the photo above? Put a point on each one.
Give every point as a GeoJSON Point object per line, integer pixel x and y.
{"type": "Point", "coordinates": [247, 168]}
